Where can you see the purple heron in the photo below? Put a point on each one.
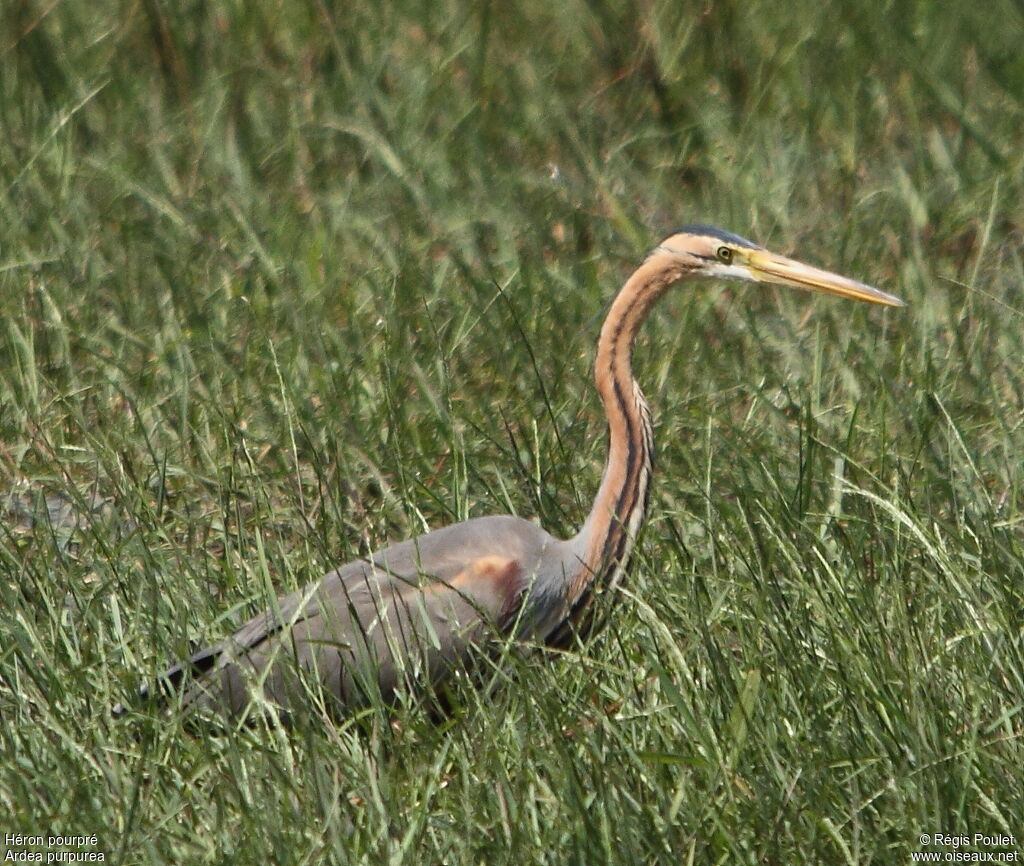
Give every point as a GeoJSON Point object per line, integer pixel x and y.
{"type": "Point", "coordinates": [405, 618]}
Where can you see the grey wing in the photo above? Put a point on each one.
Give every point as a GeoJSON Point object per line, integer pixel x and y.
{"type": "Point", "coordinates": [401, 619]}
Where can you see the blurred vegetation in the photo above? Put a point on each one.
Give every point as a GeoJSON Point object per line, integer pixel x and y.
{"type": "Point", "coordinates": [282, 282]}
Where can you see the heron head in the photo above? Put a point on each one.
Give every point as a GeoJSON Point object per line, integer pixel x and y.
{"type": "Point", "coordinates": [707, 251]}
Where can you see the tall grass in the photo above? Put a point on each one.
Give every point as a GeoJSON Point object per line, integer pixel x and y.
{"type": "Point", "coordinates": [282, 282]}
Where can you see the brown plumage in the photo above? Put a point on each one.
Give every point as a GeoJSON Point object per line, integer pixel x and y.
{"type": "Point", "coordinates": [406, 617]}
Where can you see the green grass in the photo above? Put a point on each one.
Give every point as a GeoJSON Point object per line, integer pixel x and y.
{"type": "Point", "coordinates": [282, 282]}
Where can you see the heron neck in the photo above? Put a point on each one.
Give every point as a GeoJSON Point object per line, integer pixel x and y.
{"type": "Point", "coordinates": [605, 542]}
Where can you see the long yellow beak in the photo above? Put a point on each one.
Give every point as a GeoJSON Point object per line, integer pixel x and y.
{"type": "Point", "coordinates": [767, 267]}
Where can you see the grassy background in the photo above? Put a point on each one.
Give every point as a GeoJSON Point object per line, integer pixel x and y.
{"type": "Point", "coordinates": [281, 282]}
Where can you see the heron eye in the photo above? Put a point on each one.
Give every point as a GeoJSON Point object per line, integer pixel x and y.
{"type": "Point", "coordinates": [724, 255]}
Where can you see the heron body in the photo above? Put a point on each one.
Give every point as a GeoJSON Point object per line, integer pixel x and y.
{"type": "Point", "coordinates": [408, 616]}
